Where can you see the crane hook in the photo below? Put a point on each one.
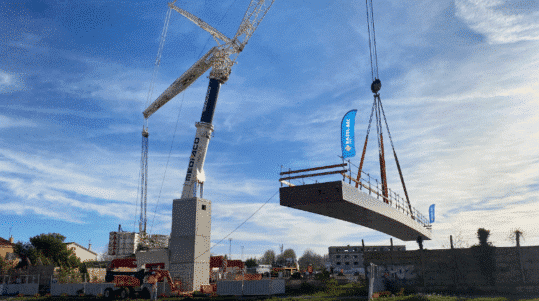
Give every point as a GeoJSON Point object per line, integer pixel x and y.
{"type": "Point", "coordinates": [376, 86]}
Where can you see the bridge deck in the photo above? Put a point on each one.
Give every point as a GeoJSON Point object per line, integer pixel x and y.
{"type": "Point", "coordinates": [345, 202]}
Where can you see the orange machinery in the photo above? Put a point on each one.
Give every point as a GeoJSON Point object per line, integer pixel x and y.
{"type": "Point", "coordinates": [137, 283]}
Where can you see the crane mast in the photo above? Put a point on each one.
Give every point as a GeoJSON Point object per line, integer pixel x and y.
{"type": "Point", "coordinates": [220, 59]}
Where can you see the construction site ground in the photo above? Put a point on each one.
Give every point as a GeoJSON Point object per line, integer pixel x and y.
{"type": "Point", "coordinates": [350, 291]}
{"type": "Point", "coordinates": [303, 297]}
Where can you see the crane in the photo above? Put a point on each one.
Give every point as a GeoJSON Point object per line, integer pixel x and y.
{"type": "Point", "coordinates": [220, 59]}
{"type": "Point", "coordinates": [379, 113]}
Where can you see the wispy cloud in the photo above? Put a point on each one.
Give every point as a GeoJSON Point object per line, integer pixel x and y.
{"type": "Point", "coordinates": [10, 82]}
{"type": "Point", "coordinates": [8, 122]}
{"type": "Point", "coordinates": [491, 19]}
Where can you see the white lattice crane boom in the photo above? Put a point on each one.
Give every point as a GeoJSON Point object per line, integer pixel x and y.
{"type": "Point", "coordinates": [221, 59]}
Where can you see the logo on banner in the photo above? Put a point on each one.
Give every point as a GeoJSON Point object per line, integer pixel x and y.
{"type": "Point", "coordinates": [348, 146]}
{"type": "Point", "coordinates": [431, 213]}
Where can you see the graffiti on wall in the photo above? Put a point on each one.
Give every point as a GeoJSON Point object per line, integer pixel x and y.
{"type": "Point", "coordinates": [401, 272]}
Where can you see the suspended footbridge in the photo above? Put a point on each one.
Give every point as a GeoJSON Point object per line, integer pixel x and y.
{"type": "Point", "coordinates": [360, 202]}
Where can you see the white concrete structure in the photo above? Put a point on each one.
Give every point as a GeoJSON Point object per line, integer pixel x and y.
{"type": "Point", "coordinates": [81, 252]}
{"type": "Point", "coordinates": [349, 259]}
{"type": "Point", "coordinates": [189, 244]}
{"type": "Point", "coordinates": [153, 256]}
{"type": "Point", "coordinates": [343, 201]}
{"type": "Point", "coordinates": [262, 287]}
{"type": "Point", "coordinates": [263, 268]}
{"type": "Point", "coordinates": [122, 243]}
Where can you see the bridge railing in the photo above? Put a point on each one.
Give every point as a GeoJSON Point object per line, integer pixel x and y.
{"type": "Point", "coordinates": [366, 182]}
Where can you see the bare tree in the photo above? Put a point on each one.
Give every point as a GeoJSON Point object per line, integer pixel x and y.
{"type": "Point", "coordinates": [268, 258]}
{"type": "Point", "coordinates": [104, 256]}
{"type": "Point", "coordinates": [311, 258]}
{"type": "Point", "coordinates": [459, 242]}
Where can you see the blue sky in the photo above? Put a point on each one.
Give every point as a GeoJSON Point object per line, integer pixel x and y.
{"type": "Point", "coordinates": [460, 92]}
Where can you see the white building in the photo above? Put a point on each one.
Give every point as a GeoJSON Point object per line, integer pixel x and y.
{"type": "Point", "coordinates": [123, 243]}
{"type": "Point", "coordinates": [349, 259]}
{"type": "Point", "coordinates": [84, 254]}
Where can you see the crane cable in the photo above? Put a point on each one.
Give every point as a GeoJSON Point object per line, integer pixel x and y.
{"type": "Point", "coordinates": [143, 173]}
{"type": "Point", "coordinates": [375, 87]}
{"type": "Point", "coordinates": [208, 250]}
{"type": "Point", "coordinates": [372, 40]}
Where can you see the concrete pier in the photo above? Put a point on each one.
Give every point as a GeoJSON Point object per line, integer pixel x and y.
{"type": "Point", "coordinates": [190, 242]}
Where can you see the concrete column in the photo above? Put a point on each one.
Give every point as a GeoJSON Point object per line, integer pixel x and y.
{"type": "Point", "coordinates": [190, 242]}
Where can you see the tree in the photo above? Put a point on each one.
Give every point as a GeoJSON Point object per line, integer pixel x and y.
{"type": "Point", "coordinates": [251, 263]}
{"type": "Point", "coordinates": [309, 257]}
{"type": "Point", "coordinates": [104, 256]}
{"type": "Point", "coordinates": [288, 253]}
{"type": "Point", "coordinates": [516, 235]}
{"type": "Point", "coordinates": [458, 242]}
{"type": "Point", "coordinates": [47, 249]}
{"type": "Point", "coordinates": [268, 258]}
{"type": "Point", "coordinates": [3, 265]}
{"type": "Point", "coordinates": [485, 255]}
{"type": "Point", "coordinates": [482, 235]}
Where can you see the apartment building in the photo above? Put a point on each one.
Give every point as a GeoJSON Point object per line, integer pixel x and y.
{"type": "Point", "coordinates": [349, 259]}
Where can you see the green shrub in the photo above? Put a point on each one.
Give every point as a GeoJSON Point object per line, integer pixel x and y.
{"type": "Point", "coordinates": [331, 286]}
{"type": "Point", "coordinates": [296, 275]}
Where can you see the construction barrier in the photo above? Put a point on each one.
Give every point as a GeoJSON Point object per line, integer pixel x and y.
{"type": "Point", "coordinates": [24, 284]}
{"type": "Point", "coordinates": [251, 287]}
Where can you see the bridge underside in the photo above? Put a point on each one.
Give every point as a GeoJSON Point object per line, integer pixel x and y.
{"type": "Point", "coordinates": [345, 202]}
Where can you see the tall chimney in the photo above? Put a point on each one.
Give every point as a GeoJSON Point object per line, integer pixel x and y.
{"type": "Point", "coordinates": [90, 247]}
{"type": "Point", "coordinates": [11, 239]}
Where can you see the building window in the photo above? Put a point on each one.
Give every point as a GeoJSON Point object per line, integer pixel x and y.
{"type": "Point", "coordinates": [356, 263]}
{"type": "Point", "coordinates": [355, 256]}
{"type": "Point", "coordinates": [338, 263]}
{"type": "Point", "coordinates": [203, 207]}
{"type": "Point", "coordinates": [347, 263]}
{"type": "Point", "coordinates": [345, 256]}
{"type": "Point", "coordinates": [337, 256]}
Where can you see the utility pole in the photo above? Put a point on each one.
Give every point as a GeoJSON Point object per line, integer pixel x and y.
{"type": "Point", "coordinates": [242, 271]}
{"type": "Point", "coordinates": [230, 249]}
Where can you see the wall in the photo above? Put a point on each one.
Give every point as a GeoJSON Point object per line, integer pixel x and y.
{"type": "Point", "coordinates": [82, 254]}
{"type": "Point", "coordinates": [44, 272]}
{"type": "Point", "coordinates": [4, 250]}
{"type": "Point", "coordinates": [99, 273]}
{"type": "Point", "coordinates": [460, 268]}
{"type": "Point", "coordinates": [153, 256]}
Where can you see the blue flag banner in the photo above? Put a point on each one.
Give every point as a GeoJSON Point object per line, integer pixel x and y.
{"type": "Point", "coordinates": [431, 213]}
{"type": "Point", "coordinates": [348, 145]}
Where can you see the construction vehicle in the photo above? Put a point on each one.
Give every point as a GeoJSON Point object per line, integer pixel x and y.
{"type": "Point", "coordinates": [131, 283]}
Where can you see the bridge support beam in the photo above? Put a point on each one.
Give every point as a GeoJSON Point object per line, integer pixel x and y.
{"type": "Point", "coordinates": [345, 202]}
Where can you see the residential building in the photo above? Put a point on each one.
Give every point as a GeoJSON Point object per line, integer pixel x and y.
{"type": "Point", "coordinates": [349, 259]}
{"type": "Point", "coordinates": [123, 244]}
{"type": "Point", "coordinates": [6, 246]}
{"type": "Point", "coordinates": [84, 254]}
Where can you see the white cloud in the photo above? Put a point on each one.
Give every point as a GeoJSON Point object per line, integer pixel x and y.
{"type": "Point", "coordinates": [488, 18]}
{"type": "Point", "coordinates": [10, 82]}
{"type": "Point", "coordinates": [8, 122]}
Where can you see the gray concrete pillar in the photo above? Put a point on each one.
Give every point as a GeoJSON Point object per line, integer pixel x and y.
{"type": "Point", "coordinates": [190, 242]}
